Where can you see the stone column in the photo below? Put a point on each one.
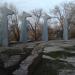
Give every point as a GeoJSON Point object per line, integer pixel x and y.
{"type": "Point", "coordinates": [24, 28]}
{"type": "Point", "coordinates": [45, 28]}
{"type": "Point", "coordinates": [5, 31]}
{"type": "Point", "coordinates": [5, 12]}
{"type": "Point", "coordinates": [65, 29]}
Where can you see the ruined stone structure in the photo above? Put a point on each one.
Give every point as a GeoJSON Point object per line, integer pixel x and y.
{"type": "Point", "coordinates": [65, 28]}
{"type": "Point", "coordinates": [45, 28]}
{"type": "Point", "coordinates": [24, 27]}
{"type": "Point", "coordinates": [4, 25]}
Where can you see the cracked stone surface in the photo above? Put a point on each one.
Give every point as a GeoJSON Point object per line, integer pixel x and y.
{"type": "Point", "coordinates": [46, 47]}
{"type": "Point", "coordinates": [52, 49]}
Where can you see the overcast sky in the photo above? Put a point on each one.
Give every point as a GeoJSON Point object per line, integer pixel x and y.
{"type": "Point", "coordinates": [28, 5]}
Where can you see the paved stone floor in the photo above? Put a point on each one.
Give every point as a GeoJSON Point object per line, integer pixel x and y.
{"type": "Point", "coordinates": [45, 47]}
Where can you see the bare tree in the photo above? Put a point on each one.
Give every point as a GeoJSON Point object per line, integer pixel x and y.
{"type": "Point", "coordinates": [67, 9]}
{"type": "Point", "coordinates": [36, 15]}
{"type": "Point", "coordinates": [58, 13]}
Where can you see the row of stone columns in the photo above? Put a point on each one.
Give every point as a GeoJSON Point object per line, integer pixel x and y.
{"type": "Point", "coordinates": [24, 32]}
{"type": "Point", "coordinates": [45, 28]}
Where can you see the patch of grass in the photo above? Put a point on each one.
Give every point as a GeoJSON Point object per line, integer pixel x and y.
{"type": "Point", "coordinates": [62, 64]}
{"type": "Point", "coordinates": [60, 54]}
{"type": "Point", "coordinates": [70, 48]}
{"type": "Point", "coordinates": [44, 68]}
{"type": "Point", "coordinates": [56, 54]}
{"type": "Point", "coordinates": [11, 52]}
